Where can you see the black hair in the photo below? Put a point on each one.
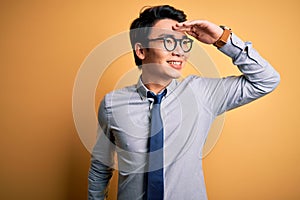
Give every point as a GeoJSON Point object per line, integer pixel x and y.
{"type": "Point", "coordinates": [140, 27]}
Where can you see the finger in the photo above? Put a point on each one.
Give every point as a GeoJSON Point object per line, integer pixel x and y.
{"type": "Point", "coordinates": [185, 24]}
{"type": "Point", "coordinates": [181, 28]}
{"type": "Point", "coordinates": [184, 29]}
{"type": "Point", "coordinates": [193, 34]}
{"type": "Point", "coordinates": [178, 26]}
{"type": "Point", "coordinates": [194, 22]}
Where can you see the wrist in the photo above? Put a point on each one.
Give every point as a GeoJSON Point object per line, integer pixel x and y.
{"type": "Point", "coordinates": [223, 38]}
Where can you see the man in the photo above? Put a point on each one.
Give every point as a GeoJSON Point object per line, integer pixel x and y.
{"type": "Point", "coordinates": [182, 115]}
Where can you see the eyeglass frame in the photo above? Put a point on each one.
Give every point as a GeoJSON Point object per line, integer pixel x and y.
{"type": "Point", "coordinates": [176, 42]}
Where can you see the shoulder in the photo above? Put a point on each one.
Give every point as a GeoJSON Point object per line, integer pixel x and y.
{"type": "Point", "coordinates": [121, 92]}
{"type": "Point", "coordinates": [119, 95]}
{"type": "Point", "coordinates": [191, 80]}
{"type": "Point", "coordinates": [202, 84]}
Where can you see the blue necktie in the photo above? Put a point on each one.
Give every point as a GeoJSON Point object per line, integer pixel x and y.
{"type": "Point", "coordinates": [155, 178]}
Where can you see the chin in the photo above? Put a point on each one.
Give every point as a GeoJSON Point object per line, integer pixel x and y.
{"type": "Point", "coordinates": [174, 74]}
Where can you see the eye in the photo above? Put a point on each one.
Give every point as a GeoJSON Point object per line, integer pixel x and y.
{"type": "Point", "coordinates": [186, 41]}
{"type": "Point", "coordinates": [169, 40]}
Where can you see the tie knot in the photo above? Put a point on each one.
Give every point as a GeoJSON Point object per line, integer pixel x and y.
{"type": "Point", "coordinates": [157, 98]}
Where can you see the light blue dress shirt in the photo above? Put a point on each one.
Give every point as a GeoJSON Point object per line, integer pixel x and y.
{"type": "Point", "coordinates": [188, 110]}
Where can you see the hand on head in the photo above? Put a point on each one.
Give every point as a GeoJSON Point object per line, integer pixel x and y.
{"type": "Point", "coordinates": [204, 31]}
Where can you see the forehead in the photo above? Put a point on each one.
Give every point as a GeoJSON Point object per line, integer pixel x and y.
{"type": "Point", "coordinates": [164, 27]}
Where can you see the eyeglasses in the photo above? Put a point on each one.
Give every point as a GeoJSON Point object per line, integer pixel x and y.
{"type": "Point", "coordinates": [170, 43]}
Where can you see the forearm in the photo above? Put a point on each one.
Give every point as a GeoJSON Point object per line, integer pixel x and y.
{"type": "Point", "coordinates": [256, 70]}
{"type": "Point", "coordinates": [98, 180]}
{"type": "Point", "coordinates": [102, 160]}
{"type": "Point", "coordinates": [258, 77]}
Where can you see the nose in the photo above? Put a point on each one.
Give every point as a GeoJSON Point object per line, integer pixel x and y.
{"type": "Point", "coordinates": [178, 51]}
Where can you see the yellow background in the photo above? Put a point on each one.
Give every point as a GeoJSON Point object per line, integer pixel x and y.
{"type": "Point", "coordinates": [42, 45]}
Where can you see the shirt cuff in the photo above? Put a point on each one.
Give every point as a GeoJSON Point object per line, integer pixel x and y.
{"type": "Point", "coordinates": [233, 47]}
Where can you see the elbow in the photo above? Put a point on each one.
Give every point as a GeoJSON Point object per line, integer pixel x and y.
{"type": "Point", "coordinates": [271, 83]}
{"type": "Point", "coordinates": [275, 80]}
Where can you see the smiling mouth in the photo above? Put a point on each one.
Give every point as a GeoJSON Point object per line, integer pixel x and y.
{"type": "Point", "coordinates": [175, 64]}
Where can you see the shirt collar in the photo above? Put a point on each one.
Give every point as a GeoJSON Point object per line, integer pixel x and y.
{"type": "Point", "coordinates": [142, 89]}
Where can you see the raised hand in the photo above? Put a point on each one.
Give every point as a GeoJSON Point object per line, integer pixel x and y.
{"type": "Point", "coordinates": [202, 30]}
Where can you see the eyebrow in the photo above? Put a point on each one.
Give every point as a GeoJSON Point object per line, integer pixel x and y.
{"type": "Point", "coordinates": [170, 35]}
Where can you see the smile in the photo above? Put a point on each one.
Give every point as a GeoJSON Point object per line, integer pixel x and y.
{"type": "Point", "coordinates": [175, 64]}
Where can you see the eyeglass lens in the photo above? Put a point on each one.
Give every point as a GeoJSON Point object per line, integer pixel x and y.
{"type": "Point", "coordinates": [170, 43]}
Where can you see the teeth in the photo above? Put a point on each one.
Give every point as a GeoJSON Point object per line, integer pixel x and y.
{"type": "Point", "coordinates": [175, 62]}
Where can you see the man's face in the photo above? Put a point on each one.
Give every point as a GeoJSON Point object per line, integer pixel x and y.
{"type": "Point", "coordinates": [162, 63]}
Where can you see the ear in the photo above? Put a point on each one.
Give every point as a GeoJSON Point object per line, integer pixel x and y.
{"type": "Point", "coordinates": [139, 50]}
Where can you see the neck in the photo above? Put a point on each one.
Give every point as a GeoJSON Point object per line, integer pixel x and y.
{"type": "Point", "coordinates": [155, 86]}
